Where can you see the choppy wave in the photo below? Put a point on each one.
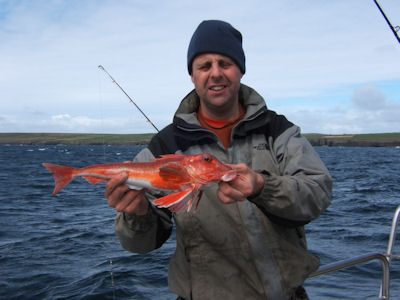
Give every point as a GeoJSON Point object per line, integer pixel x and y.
{"type": "Point", "coordinates": [65, 247]}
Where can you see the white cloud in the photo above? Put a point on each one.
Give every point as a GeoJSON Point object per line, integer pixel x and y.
{"type": "Point", "coordinates": [74, 124]}
{"type": "Point", "coordinates": [368, 111]}
{"type": "Point", "coordinates": [369, 97]}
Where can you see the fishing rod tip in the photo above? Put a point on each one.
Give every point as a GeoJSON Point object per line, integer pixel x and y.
{"type": "Point", "coordinates": [100, 67]}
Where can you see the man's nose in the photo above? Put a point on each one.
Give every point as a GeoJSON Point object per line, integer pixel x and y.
{"type": "Point", "coordinates": [216, 71]}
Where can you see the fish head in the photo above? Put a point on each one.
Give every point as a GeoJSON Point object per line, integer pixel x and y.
{"type": "Point", "coordinates": [205, 168]}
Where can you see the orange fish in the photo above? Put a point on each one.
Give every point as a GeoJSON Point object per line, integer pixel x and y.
{"type": "Point", "coordinates": [183, 174]}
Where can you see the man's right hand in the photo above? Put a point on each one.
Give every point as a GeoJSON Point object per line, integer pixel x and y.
{"type": "Point", "coordinates": [124, 199]}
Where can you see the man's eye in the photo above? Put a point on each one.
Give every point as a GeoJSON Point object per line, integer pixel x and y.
{"type": "Point", "coordinates": [225, 64]}
{"type": "Point", "coordinates": [204, 67]}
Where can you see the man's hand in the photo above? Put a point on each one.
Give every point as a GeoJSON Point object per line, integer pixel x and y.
{"type": "Point", "coordinates": [124, 199]}
{"type": "Point", "coordinates": [247, 183]}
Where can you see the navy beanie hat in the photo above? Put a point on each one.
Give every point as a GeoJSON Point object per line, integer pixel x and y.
{"type": "Point", "coordinates": [214, 36]}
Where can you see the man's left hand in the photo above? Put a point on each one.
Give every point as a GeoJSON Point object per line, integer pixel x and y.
{"type": "Point", "coordinates": [247, 183]}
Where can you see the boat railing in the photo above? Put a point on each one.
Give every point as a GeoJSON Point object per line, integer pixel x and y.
{"type": "Point", "coordinates": [384, 258]}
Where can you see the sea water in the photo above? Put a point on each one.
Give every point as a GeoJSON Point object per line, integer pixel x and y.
{"type": "Point", "coordinates": [64, 247]}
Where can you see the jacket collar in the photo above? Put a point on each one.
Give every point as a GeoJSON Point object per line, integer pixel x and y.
{"type": "Point", "coordinates": [251, 100]}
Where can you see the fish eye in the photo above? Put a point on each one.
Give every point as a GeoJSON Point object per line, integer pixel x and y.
{"type": "Point", "coordinates": [207, 158]}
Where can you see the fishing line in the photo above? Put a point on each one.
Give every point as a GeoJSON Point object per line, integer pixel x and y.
{"type": "Point", "coordinates": [112, 278]}
{"type": "Point", "coordinates": [130, 99]}
{"type": "Point", "coordinates": [102, 119]}
{"type": "Point", "coordinates": [104, 160]}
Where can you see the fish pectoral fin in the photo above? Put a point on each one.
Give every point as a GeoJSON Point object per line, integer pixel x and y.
{"type": "Point", "coordinates": [176, 202]}
{"type": "Point", "coordinates": [94, 180]}
{"type": "Point", "coordinates": [174, 173]}
{"type": "Point", "coordinates": [198, 196]}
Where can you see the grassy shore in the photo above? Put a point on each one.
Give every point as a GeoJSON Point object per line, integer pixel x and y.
{"type": "Point", "coordinates": [351, 140]}
{"type": "Point", "coordinates": [74, 138]}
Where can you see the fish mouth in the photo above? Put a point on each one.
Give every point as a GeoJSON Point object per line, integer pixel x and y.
{"type": "Point", "coordinates": [207, 178]}
{"type": "Point", "coordinates": [229, 176]}
{"type": "Point", "coordinates": [226, 177]}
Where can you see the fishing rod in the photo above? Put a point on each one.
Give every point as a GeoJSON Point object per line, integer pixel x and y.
{"type": "Point", "coordinates": [130, 99]}
{"type": "Point", "coordinates": [148, 120]}
{"type": "Point", "coordinates": [394, 29]}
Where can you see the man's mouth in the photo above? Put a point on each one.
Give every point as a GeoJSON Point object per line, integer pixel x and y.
{"type": "Point", "coordinates": [217, 88]}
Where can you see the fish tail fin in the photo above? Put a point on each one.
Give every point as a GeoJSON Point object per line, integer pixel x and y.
{"type": "Point", "coordinates": [63, 175]}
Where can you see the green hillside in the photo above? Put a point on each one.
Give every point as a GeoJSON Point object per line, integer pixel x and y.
{"type": "Point", "coordinates": [316, 139]}
{"type": "Point", "coordinates": [74, 138]}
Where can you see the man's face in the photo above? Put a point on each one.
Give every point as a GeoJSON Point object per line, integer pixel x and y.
{"type": "Point", "coordinates": [217, 81]}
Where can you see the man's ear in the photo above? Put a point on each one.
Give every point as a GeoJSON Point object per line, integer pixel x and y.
{"type": "Point", "coordinates": [191, 77]}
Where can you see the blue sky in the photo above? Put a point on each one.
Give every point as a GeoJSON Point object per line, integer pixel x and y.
{"type": "Point", "coordinates": [329, 66]}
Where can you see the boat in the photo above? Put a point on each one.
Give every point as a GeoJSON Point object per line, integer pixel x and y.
{"type": "Point", "coordinates": [384, 258]}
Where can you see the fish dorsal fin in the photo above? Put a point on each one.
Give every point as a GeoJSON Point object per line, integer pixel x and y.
{"type": "Point", "coordinates": [170, 157]}
{"type": "Point", "coordinates": [174, 173]}
{"type": "Point", "coordinates": [94, 180]}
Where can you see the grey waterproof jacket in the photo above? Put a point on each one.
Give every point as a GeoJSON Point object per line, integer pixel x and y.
{"type": "Point", "coordinates": [254, 249]}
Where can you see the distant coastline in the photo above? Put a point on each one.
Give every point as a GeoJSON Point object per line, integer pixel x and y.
{"type": "Point", "coordinates": [355, 140]}
{"type": "Point", "coordinates": [316, 139]}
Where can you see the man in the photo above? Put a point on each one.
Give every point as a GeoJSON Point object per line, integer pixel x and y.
{"type": "Point", "coordinates": [246, 239]}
